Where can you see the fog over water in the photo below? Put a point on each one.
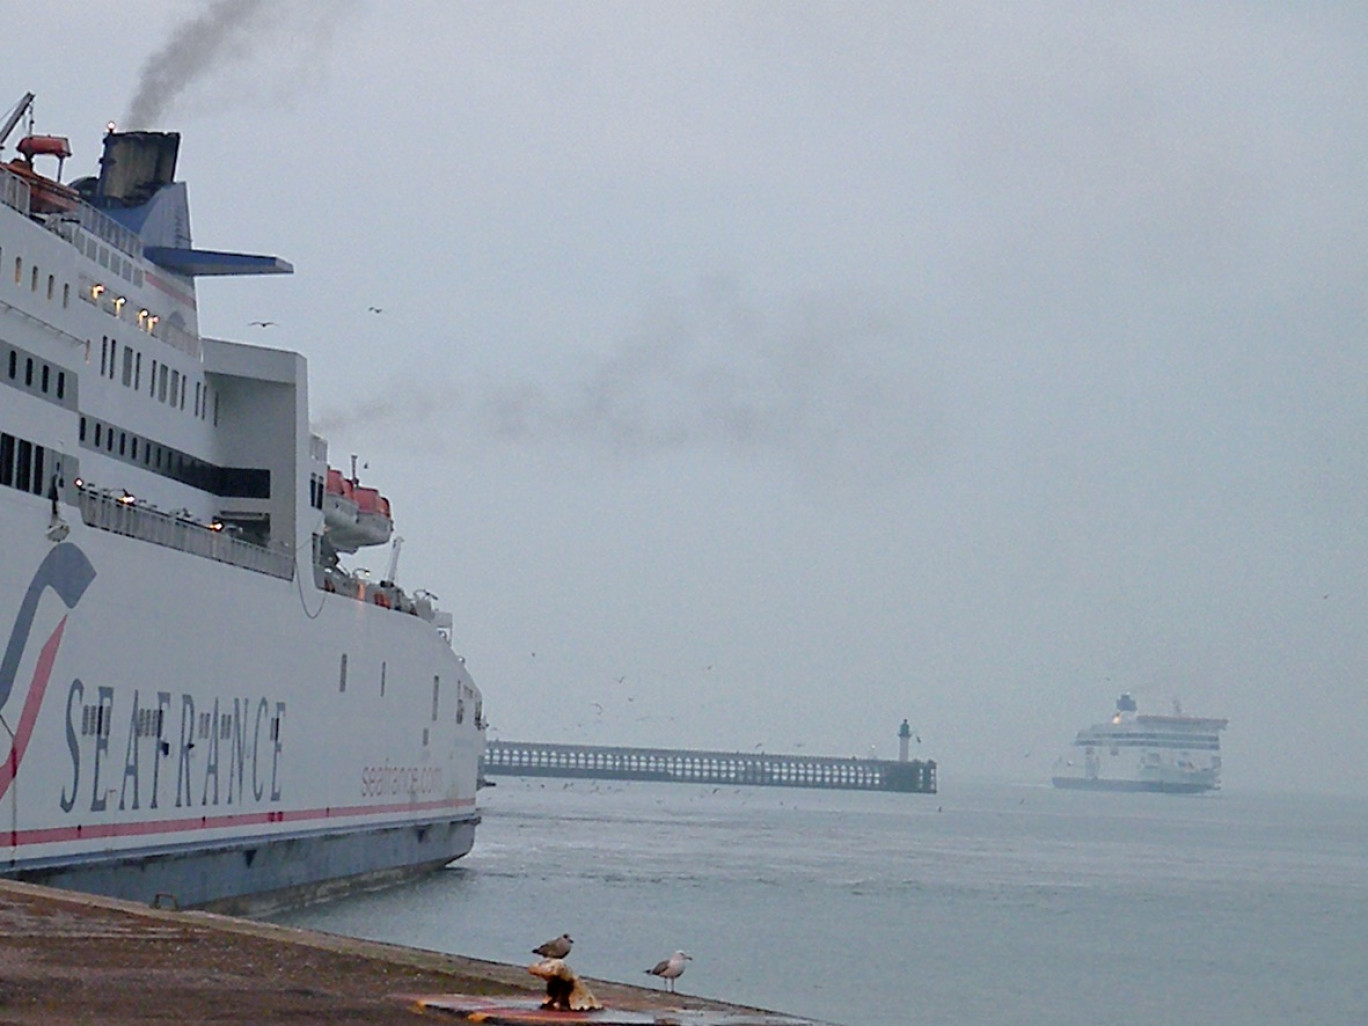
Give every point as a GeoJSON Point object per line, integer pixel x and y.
{"type": "Point", "coordinates": [762, 375]}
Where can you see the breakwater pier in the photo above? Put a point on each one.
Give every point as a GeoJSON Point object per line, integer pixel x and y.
{"type": "Point", "coordinates": [688, 766]}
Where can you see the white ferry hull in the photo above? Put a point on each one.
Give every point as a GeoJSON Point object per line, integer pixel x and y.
{"type": "Point", "coordinates": [1151, 786]}
{"type": "Point", "coordinates": [219, 806]}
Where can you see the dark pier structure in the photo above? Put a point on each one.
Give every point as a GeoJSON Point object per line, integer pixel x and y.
{"type": "Point", "coordinates": [683, 766]}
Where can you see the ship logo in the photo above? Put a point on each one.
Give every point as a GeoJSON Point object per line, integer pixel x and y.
{"type": "Point", "coordinates": [68, 572]}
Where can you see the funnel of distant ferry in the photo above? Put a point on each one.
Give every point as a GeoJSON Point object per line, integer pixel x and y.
{"type": "Point", "coordinates": [1134, 751]}
{"type": "Point", "coordinates": [201, 703]}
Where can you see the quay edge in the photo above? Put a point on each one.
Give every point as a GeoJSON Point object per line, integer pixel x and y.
{"type": "Point", "coordinates": [76, 958]}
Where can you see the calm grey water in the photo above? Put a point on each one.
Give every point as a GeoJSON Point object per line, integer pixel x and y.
{"type": "Point", "coordinates": [986, 904]}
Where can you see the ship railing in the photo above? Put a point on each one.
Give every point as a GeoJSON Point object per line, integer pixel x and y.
{"type": "Point", "coordinates": [14, 192]}
{"type": "Point", "coordinates": [121, 514]}
{"type": "Point", "coordinates": [110, 230]}
{"type": "Point", "coordinates": [384, 594]}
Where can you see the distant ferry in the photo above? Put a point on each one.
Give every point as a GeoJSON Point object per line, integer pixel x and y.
{"type": "Point", "coordinates": [1175, 754]}
{"type": "Point", "coordinates": [201, 704]}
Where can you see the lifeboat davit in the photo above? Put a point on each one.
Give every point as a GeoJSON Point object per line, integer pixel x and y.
{"type": "Point", "coordinates": [354, 516]}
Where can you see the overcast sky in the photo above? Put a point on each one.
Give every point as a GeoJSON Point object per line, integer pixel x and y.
{"type": "Point", "coordinates": [766, 374]}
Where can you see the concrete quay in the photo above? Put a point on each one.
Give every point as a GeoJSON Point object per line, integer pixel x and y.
{"type": "Point", "coordinates": [68, 958]}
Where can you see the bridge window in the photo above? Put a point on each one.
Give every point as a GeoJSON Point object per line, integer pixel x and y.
{"type": "Point", "coordinates": [342, 674]}
{"type": "Point", "coordinates": [436, 690]}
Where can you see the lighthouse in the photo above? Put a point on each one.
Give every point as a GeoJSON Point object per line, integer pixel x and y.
{"type": "Point", "coordinates": [904, 736]}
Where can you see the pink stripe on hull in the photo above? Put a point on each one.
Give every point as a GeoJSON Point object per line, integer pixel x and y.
{"type": "Point", "coordinates": [144, 828]}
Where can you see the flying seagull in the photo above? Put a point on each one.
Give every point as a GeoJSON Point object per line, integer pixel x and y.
{"type": "Point", "coordinates": [375, 309]}
{"type": "Point", "coordinates": [671, 969]}
{"type": "Point", "coordinates": [261, 324]}
{"type": "Point", "coordinates": [557, 947]}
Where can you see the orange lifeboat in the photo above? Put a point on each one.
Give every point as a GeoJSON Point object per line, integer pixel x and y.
{"type": "Point", "coordinates": [46, 195]}
{"type": "Point", "coordinates": [354, 516]}
{"type": "Point", "coordinates": [44, 145]}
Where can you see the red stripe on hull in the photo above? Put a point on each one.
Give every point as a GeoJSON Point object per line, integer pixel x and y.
{"type": "Point", "coordinates": [51, 835]}
{"type": "Point", "coordinates": [10, 768]}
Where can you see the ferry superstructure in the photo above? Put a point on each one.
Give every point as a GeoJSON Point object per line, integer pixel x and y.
{"type": "Point", "coordinates": [1138, 752]}
{"type": "Point", "coordinates": [199, 703]}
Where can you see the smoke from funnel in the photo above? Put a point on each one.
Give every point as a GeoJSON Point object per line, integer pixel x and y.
{"type": "Point", "coordinates": [826, 382]}
{"type": "Point", "coordinates": [221, 35]}
{"type": "Point", "coordinates": [284, 42]}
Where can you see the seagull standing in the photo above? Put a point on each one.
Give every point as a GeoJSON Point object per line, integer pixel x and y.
{"type": "Point", "coordinates": [671, 969]}
{"type": "Point", "coordinates": [557, 947]}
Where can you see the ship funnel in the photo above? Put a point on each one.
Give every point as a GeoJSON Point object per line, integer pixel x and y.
{"type": "Point", "coordinates": [134, 166]}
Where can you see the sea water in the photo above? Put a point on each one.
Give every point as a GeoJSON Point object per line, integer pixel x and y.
{"type": "Point", "coordinates": [985, 904]}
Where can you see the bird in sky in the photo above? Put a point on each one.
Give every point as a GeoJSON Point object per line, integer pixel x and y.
{"type": "Point", "coordinates": [261, 324]}
{"type": "Point", "coordinates": [557, 947]}
{"type": "Point", "coordinates": [671, 969]}
{"type": "Point", "coordinates": [376, 309]}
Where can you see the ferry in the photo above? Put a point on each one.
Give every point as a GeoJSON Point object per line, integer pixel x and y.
{"type": "Point", "coordinates": [201, 703]}
{"type": "Point", "coordinates": [1132, 751]}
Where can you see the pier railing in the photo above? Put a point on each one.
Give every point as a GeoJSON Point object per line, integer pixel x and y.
{"type": "Point", "coordinates": [683, 766]}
